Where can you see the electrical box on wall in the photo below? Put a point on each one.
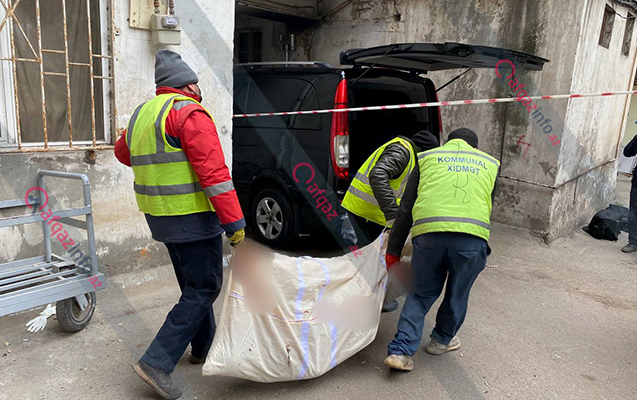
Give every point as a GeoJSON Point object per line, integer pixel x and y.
{"type": "Point", "coordinates": [166, 29]}
{"type": "Point", "coordinates": [142, 10]}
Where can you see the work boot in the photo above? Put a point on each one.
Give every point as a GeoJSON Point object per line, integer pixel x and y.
{"type": "Point", "coordinates": [400, 362]}
{"type": "Point", "coordinates": [389, 307]}
{"type": "Point", "coordinates": [158, 380]}
{"type": "Point", "coordinates": [629, 248]}
{"type": "Point", "coordinates": [436, 348]}
{"type": "Point", "coordinates": [193, 359]}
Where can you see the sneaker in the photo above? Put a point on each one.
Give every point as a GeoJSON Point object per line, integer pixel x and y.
{"type": "Point", "coordinates": [399, 362]}
{"type": "Point", "coordinates": [158, 380]}
{"type": "Point", "coordinates": [629, 248]}
{"type": "Point", "coordinates": [389, 307]}
{"type": "Point", "coordinates": [436, 348]}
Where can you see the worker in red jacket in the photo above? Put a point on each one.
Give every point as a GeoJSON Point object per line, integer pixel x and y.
{"type": "Point", "coordinates": [184, 189]}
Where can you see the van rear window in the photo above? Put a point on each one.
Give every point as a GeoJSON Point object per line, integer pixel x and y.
{"type": "Point", "coordinates": [273, 94]}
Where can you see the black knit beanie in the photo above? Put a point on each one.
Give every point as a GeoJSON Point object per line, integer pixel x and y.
{"type": "Point", "coordinates": [425, 140]}
{"type": "Point", "coordinates": [465, 134]}
{"type": "Point", "coordinates": [172, 71]}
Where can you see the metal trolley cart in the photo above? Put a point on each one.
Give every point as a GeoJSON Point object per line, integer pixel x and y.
{"type": "Point", "coordinates": [36, 281]}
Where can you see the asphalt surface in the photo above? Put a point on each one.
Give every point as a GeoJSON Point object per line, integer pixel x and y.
{"type": "Point", "coordinates": [544, 322]}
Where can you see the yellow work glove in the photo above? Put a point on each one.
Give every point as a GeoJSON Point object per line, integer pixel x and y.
{"type": "Point", "coordinates": [237, 237]}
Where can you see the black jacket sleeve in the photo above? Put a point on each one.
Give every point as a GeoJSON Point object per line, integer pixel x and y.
{"type": "Point", "coordinates": [404, 220]}
{"type": "Point", "coordinates": [391, 163]}
{"type": "Point", "coordinates": [631, 148]}
{"type": "Point", "coordinates": [495, 186]}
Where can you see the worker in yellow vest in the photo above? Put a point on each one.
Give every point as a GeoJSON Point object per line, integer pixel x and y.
{"type": "Point", "coordinates": [377, 189]}
{"type": "Point", "coordinates": [184, 188]}
{"type": "Point", "coordinates": [447, 205]}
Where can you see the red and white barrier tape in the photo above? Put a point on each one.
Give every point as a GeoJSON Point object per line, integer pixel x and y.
{"type": "Point", "coordinates": [434, 104]}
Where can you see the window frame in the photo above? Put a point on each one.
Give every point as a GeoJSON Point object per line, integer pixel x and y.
{"type": "Point", "coordinates": [7, 91]}
{"type": "Point", "coordinates": [251, 51]}
{"type": "Point", "coordinates": [628, 34]}
{"type": "Point", "coordinates": [608, 24]}
{"type": "Point", "coordinates": [286, 121]}
{"type": "Point", "coordinates": [11, 140]}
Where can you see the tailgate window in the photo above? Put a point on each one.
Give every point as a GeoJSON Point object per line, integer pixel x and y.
{"type": "Point", "coordinates": [268, 94]}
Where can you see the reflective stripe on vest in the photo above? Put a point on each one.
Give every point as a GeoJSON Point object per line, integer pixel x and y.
{"type": "Point", "coordinates": [360, 199]}
{"type": "Point", "coordinates": [454, 191]}
{"type": "Point", "coordinates": [453, 219]}
{"type": "Point", "coordinates": [165, 183]}
{"type": "Point", "coordinates": [168, 190]}
{"type": "Point", "coordinates": [367, 197]}
{"type": "Point", "coordinates": [219, 188]}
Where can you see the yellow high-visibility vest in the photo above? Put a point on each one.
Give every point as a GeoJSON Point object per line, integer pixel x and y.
{"type": "Point", "coordinates": [360, 199]}
{"type": "Point", "coordinates": [165, 182]}
{"type": "Point", "coordinates": [454, 191]}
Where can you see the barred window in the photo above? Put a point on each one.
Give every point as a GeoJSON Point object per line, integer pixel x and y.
{"type": "Point", "coordinates": [56, 85]}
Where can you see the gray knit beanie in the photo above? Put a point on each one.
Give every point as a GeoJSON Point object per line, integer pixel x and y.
{"type": "Point", "coordinates": [172, 71]}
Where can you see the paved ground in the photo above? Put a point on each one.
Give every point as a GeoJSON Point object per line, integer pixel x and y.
{"type": "Point", "coordinates": [548, 322]}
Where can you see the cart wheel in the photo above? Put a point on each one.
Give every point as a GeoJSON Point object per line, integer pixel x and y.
{"type": "Point", "coordinates": [71, 317]}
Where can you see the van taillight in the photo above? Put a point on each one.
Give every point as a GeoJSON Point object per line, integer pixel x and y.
{"type": "Point", "coordinates": [439, 118]}
{"type": "Point", "coordinates": [339, 133]}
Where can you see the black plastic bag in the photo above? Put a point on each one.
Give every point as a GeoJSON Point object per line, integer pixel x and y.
{"type": "Point", "coordinates": [608, 223]}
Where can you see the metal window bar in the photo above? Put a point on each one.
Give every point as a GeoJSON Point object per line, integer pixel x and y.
{"type": "Point", "coordinates": [10, 20]}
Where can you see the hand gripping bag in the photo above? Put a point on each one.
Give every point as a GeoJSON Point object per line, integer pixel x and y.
{"type": "Point", "coordinates": [290, 318]}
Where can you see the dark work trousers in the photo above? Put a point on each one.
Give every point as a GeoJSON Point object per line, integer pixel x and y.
{"type": "Point", "coordinates": [632, 213]}
{"type": "Point", "coordinates": [457, 258]}
{"type": "Point", "coordinates": [366, 231]}
{"type": "Point", "coordinates": [199, 270]}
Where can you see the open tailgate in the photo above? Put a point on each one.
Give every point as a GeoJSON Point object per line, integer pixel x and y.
{"type": "Point", "coordinates": [424, 57]}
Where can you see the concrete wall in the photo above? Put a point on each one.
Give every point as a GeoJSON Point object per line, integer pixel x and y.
{"type": "Point", "coordinates": [522, 25]}
{"type": "Point", "coordinates": [123, 239]}
{"type": "Point", "coordinates": [122, 236]}
{"type": "Point", "coordinates": [564, 31]}
{"type": "Point", "coordinates": [593, 127]}
{"type": "Point", "coordinates": [207, 46]}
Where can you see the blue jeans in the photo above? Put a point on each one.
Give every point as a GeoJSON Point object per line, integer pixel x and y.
{"type": "Point", "coordinates": [457, 258]}
{"type": "Point", "coordinates": [199, 270]}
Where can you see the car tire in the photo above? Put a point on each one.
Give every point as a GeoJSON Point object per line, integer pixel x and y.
{"type": "Point", "coordinates": [70, 317]}
{"type": "Point", "coordinates": [273, 218]}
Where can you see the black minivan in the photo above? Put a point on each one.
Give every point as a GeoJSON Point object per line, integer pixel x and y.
{"type": "Point", "coordinates": [267, 149]}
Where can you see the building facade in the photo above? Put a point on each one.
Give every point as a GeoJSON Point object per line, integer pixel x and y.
{"type": "Point", "coordinates": [559, 165]}
{"type": "Point", "coordinates": [87, 64]}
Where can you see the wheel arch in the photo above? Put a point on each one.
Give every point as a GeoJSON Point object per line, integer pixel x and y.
{"type": "Point", "coordinates": [266, 180]}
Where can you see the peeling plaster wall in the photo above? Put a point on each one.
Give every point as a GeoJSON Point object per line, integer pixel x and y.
{"type": "Point", "coordinates": [593, 126]}
{"type": "Point", "coordinates": [124, 242]}
{"type": "Point", "coordinates": [548, 28]}
{"type": "Point", "coordinates": [122, 236]}
{"type": "Point", "coordinates": [528, 26]}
